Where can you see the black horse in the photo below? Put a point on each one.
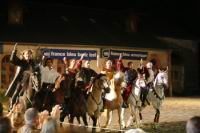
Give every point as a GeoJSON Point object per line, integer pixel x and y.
{"type": "Point", "coordinates": [72, 99]}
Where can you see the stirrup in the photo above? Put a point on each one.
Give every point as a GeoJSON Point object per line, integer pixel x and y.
{"type": "Point", "coordinates": [124, 105]}
{"type": "Point", "coordinates": [102, 110]}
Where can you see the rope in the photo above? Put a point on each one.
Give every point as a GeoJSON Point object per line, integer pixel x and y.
{"type": "Point", "coordinates": [111, 129]}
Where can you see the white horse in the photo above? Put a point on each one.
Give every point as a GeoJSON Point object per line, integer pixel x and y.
{"type": "Point", "coordinates": [134, 101]}
{"type": "Point", "coordinates": [114, 99]}
{"type": "Point", "coordinates": [94, 101]}
{"type": "Point", "coordinates": [156, 96]}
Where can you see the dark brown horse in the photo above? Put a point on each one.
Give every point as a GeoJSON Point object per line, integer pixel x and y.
{"type": "Point", "coordinates": [71, 98]}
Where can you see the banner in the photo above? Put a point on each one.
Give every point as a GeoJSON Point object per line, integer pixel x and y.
{"type": "Point", "coordinates": [129, 55]}
{"type": "Point", "coordinates": [69, 54]}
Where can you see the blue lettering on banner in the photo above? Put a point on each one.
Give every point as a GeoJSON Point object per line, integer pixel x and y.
{"type": "Point", "coordinates": [69, 54]}
{"type": "Point", "coordinates": [130, 55]}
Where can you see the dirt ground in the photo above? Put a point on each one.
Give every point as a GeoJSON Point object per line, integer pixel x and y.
{"type": "Point", "coordinates": [175, 112]}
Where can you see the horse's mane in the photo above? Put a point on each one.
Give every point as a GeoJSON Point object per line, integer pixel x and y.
{"type": "Point", "coordinates": [98, 76]}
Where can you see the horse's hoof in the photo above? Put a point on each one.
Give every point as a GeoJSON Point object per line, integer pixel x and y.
{"type": "Point", "coordinates": [105, 126]}
{"type": "Point", "coordinates": [124, 127]}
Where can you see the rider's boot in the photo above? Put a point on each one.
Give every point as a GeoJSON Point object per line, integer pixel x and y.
{"type": "Point", "coordinates": [102, 109]}
{"type": "Point", "coordinates": [125, 104]}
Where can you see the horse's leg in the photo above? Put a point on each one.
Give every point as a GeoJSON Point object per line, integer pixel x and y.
{"type": "Point", "coordinates": [63, 114]}
{"type": "Point", "coordinates": [71, 119]}
{"type": "Point", "coordinates": [110, 117]}
{"type": "Point", "coordinates": [94, 119]}
{"type": "Point", "coordinates": [108, 120]}
{"type": "Point", "coordinates": [78, 119]}
{"type": "Point", "coordinates": [140, 113]}
{"type": "Point", "coordinates": [137, 116]}
{"type": "Point", "coordinates": [122, 118]}
{"type": "Point", "coordinates": [84, 117]}
{"type": "Point", "coordinates": [157, 116]}
{"type": "Point", "coordinates": [119, 116]}
{"type": "Point", "coordinates": [131, 118]}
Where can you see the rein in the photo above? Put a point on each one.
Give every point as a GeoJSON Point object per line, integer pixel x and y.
{"type": "Point", "coordinates": [93, 96]}
{"type": "Point", "coordinates": [95, 100]}
{"type": "Point", "coordinates": [156, 94]}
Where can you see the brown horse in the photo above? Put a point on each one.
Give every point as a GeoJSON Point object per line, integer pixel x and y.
{"type": "Point", "coordinates": [114, 99]}
{"type": "Point", "coordinates": [95, 101]}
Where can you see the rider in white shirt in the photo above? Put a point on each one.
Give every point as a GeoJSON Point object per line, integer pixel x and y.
{"type": "Point", "coordinates": [48, 73]}
{"type": "Point", "coordinates": [48, 78]}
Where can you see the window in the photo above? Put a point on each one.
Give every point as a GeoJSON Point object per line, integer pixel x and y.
{"type": "Point", "coordinates": [7, 71]}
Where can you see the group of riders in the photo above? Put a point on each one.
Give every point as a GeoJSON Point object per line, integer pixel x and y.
{"type": "Point", "coordinates": [42, 69]}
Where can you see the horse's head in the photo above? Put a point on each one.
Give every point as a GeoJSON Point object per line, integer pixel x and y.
{"type": "Point", "coordinates": [102, 81]}
{"type": "Point", "coordinates": [119, 79]}
{"type": "Point", "coordinates": [80, 79]}
{"type": "Point", "coordinates": [161, 79]}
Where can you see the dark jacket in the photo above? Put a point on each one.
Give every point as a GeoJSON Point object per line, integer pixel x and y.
{"type": "Point", "coordinates": [23, 65]}
{"type": "Point", "coordinates": [130, 75]}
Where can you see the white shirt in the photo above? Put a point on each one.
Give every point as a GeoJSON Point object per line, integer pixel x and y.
{"type": "Point", "coordinates": [48, 75]}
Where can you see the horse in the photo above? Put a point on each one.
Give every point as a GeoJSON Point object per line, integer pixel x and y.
{"type": "Point", "coordinates": [30, 86]}
{"type": "Point", "coordinates": [114, 100]}
{"type": "Point", "coordinates": [95, 101]}
{"type": "Point", "coordinates": [156, 96]}
{"type": "Point", "coordinates": [53, 94]}
{"type": "Point", "coordinates": [134, 101]}
{"type": "Point", "coordinates": [76, 103]}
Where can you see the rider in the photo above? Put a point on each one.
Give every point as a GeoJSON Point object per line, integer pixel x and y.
{"type": "Point", "coordinates": [48, 78]}
{"type": "Point", "coordinates": [149, 80]}
{"type": "Point", "coordinates": [48, 74]}
{"type": "Point", "coordinates": [130, 77]}
{"type": "Point", "coordinates": [147, 73]}
{"type": "Point", "coordinates": [119, 67]}
{"type": "Point", "coordinates": [91, 74]}
{"type": "Point", "coordinates": [25, 64]}
{"type": "Point", "coordinates": [71, 70]}
{"type": "Point", "coordinates": [108, 70]}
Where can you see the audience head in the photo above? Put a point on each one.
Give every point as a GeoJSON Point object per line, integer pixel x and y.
{"type": "Point", "coordinates": [31, 116]}
{"type": "Point", "coordinates": [49, 126]}
{"type": "Point", "coordinates": [193, 125]}
{"type": "Point", "coordinates": [17, 119]}
{"type": "Point", "coordinates": [5, 126]}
